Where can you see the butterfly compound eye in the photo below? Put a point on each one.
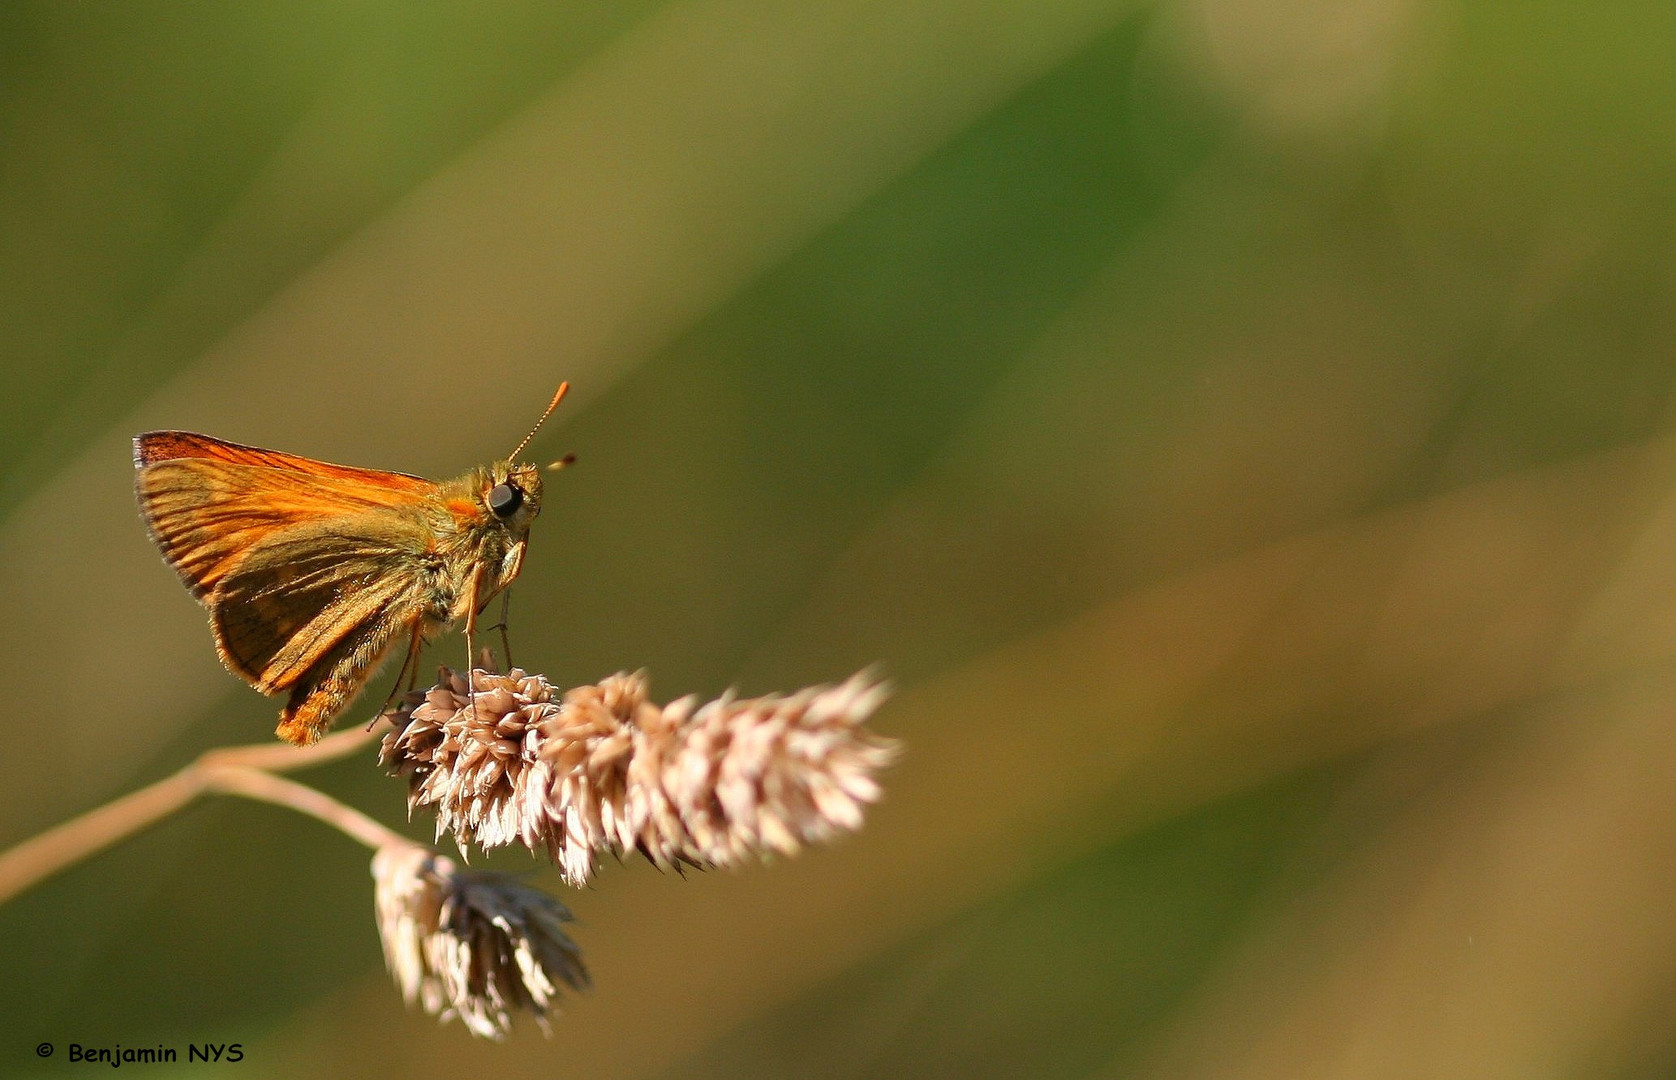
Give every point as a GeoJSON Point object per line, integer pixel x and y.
{"type": "Point", "coordinates": [504, 499]}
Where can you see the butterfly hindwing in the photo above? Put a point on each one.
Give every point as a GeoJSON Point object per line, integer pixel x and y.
{"type": "Point", "coordinates": [314, 590]}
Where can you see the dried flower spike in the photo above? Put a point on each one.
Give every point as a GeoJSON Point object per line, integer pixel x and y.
{"type": "Point", "coordinates": [471, 945]}
{"type": "Point", "coordinates": [601, 769]}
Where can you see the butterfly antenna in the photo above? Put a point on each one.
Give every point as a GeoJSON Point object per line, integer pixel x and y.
{"type": "Point", "coordinates": [558, 396]}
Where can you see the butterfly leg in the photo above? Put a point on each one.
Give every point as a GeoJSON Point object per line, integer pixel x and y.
{"type": "Point", "coordinates": [416, 648]}
{"type": "Point", "coordinates": [409, 669]}
{"type": "Point", "coordinates": [471, 644]}
{"type": "Point", "coordinates": [505, 641]}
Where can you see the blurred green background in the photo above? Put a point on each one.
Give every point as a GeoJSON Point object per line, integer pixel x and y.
{"type": "Point", "coordinates": [1242, 428]}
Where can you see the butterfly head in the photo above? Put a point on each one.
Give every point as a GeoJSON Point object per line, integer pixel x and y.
{"type": "Point", "coordinates": [512, 495]}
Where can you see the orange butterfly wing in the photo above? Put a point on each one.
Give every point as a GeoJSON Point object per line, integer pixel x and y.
{"type": "Point", "coordinates": [207, 503]}
{"type": "Point", "coordinates": [305, 594]}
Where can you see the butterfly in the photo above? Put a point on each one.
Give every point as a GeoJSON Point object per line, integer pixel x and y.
{"type": "Point", "coordinates": [313, 572]}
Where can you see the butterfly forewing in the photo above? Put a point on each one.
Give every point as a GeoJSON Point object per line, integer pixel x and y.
{"type": "Point", "coordinates": [155, 446]}
{"type": "Point", "coordinates": [208, 503]}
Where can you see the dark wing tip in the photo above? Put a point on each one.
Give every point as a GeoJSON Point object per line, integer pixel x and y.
{"type": "Point", "coordinates": [153, 446]}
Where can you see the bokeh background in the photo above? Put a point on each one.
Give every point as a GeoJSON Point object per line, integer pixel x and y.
{"type": "Point", "coordinates": [1242, 428]}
